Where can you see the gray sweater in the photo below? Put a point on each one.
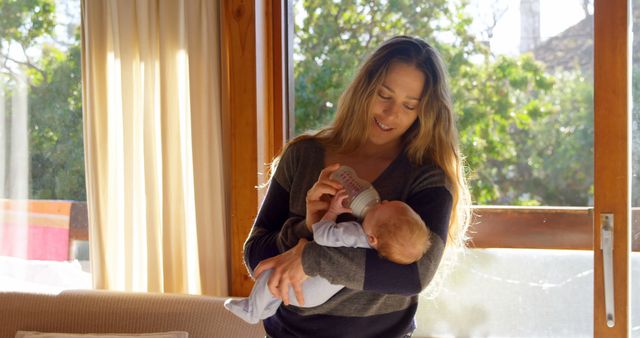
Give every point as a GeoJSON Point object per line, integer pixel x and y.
{"type": "Point", "coordinates": [380, 297]}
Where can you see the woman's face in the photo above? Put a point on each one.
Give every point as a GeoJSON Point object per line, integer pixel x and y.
{"type": "Point", "coordinates": [395, 105]}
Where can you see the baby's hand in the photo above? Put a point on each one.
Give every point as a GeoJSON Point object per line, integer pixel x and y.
{"type": "Point", "coordinates": [338, 201]}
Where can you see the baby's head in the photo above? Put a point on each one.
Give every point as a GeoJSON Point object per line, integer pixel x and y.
{"type": "Point", "coordinates": [396, 232]}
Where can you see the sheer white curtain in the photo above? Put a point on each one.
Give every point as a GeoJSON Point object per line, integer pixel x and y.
{"type": "Point", "coordinates": [153, 145]}
{"type": "Point", "coordinates": [14, 168]}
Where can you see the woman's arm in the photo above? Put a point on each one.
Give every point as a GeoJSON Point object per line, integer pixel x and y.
{"type": "Point", "coordinates": [273, 231]}
{"type": "Point", "coordinates": [276, 228]}
{"type": "Point", "coordinates": [363, 269]}
{"type": "Point", "coordinates": [287, 266]}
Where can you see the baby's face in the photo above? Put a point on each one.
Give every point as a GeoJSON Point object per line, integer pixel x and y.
{"type": "Point", "coordinates": [380, 212]}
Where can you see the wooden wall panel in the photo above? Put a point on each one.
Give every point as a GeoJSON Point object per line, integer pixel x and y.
{"type": "Point", "coordinates": [275, 77]}
{"type": "Point", "coordinates": [238, 47]}
{"type": "Point", "coordinates": [253, 91]}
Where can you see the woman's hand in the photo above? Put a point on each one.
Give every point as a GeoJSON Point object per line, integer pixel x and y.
{"type": "Point", "coordinates": [320, 194]}
{"type": "Point", "coordinates": [287, 271]}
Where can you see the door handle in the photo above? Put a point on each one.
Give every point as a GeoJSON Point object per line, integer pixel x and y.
{"type": "Point", "coordinates": [606, 245]}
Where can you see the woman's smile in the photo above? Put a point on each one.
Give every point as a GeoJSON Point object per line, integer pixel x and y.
{"type": "Point", "coordinates": [382, 126]}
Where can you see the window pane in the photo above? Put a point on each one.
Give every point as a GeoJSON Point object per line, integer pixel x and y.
{"type": "Point", "coordinates": [490, 294]}
{"type": "Point", "coordinates": [43, 237]}
{"type": "Point", "coordinates": [523, 89]}
{"type": "Point", "coordinates": [521, 74]}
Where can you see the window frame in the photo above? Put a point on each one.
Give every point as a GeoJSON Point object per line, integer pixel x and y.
{"type": "Point", "coordinates": [556, 228]}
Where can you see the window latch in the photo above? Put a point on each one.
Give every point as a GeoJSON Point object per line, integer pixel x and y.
{"type": "Point", "coordinates": [606, 245]}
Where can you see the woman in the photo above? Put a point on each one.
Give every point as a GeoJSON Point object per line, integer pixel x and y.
{"type": "Point", "coordinates": [395, 126]}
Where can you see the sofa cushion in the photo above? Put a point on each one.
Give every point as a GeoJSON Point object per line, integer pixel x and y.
{"type": "Point", "coordinates": [109, 311]}
{"type": "Point", "coordinates": [34, 334]}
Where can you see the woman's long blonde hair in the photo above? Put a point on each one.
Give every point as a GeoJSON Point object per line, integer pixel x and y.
{"type": "Point", "coordinates": [433, 138]}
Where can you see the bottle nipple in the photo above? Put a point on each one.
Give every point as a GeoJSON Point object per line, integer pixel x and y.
{"type": "Point", "coordinates": [362, 195]}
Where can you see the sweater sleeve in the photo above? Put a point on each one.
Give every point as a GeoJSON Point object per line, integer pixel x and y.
{"type": "Point", "coordinates": [363, 269]}
{"type": "Point", "coordinates": [275, 229]}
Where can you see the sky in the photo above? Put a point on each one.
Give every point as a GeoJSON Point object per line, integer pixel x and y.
{"type": "Point", "coordinates": [555, 17]}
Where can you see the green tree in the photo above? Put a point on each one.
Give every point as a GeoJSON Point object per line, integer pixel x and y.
{"type": "Point", "coordinates": [515, 119]}
{"type": "Point", "coordinates": [55, 128]}
{"type": "Point", "coordinates": [23, 21]}
{"type": "Point", "coordinates": [562, 165]}
{"type": "Point", "coordinates": [335, 36]}
{"type": "Point", "coordinates": [55, 108]}
{"type": "Point", "coordinates": [498, 102]}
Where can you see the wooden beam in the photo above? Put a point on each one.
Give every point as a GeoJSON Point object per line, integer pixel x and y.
{"type": "Point", "coordinates": [238, 46]}
{"type": "Point", "coordinates": [253, 100]}
{"type": "Point", "coordinates": [612, 162]}
{"type": "Point", "coordinates": [270, 85]}
{"type": "Point", "coordinates": [533, 228]}
{"type": "Point", "coordinates": [276, 48]}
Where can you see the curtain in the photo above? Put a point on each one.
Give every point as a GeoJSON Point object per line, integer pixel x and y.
{"type": "Point", "coordinates": [153, 145]}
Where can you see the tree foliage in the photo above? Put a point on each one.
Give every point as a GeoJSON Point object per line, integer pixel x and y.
{"type": "Point", "coordinates": [55, 106]}
{"type": "Point", "coordinates": [335, 35]}
{"type": "Point", "coordinates": [527, 134]}
{"type": "Point", "coordinates": [55, 129]}
{"type": "Point", "coordinates": [22, 21]}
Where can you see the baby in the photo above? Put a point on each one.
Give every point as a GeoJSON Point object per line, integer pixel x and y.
{"type": "Point", "coordinates": [390, 227]}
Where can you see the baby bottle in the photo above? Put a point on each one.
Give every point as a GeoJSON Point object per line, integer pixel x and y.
{"type": "Point", "coordinates": [362, 195]}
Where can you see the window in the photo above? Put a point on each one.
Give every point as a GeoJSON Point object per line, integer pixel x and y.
{"type": "Point", "coordinates": [43, 237]}
{"type": "Point", "coordinates": [524, 97]}
{"type": "Point", "coordinates": [610, 88]}
{"type": "Point", "coordinates": [522, 84]}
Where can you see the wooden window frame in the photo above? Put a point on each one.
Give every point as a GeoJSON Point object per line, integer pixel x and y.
{"type": "Point", "coordinates": [256, 124]}
{"type": "Point", "coordinates": [494, 227]}
{"type": "Point", "coordinates": [253, 112]}
{"type": "Point", "coordinates": [612, 160]}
